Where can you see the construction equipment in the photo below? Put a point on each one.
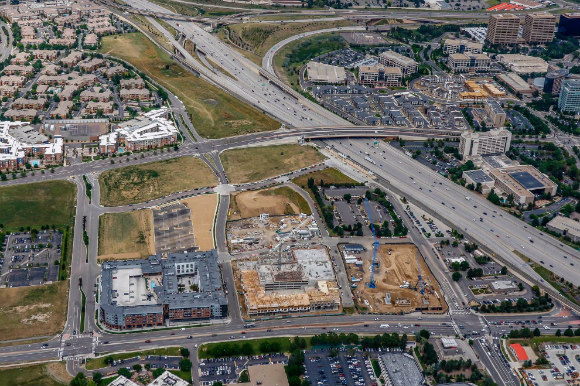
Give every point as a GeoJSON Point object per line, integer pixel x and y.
{"type": "Point", "coordinates": [420, 279]}
{"type": "Point", "coordinates": [371, 283]}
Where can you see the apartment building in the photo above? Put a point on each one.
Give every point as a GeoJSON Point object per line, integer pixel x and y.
{"type": "Point", "coordinates": [569, 100]}
{"type": "Point", "coordinates": [390, 58]}
{"type": "Point", "coordinates": [134, 94]}
{"type": "Point", "coordinates": [479, 143]}
{"type": "Point", "coordinates": [503, 29]}
{"type": "Point", "coordinates": [539, 28]}
{"type": "Point", "coordinates": [461, 46]}
{"type": "Point", "coordinates": [469, 62]}
{"type": "Point", "coordinates": [380, 76]}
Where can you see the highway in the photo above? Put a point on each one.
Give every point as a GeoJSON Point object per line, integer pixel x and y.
{"type": "Point", "coordinates": [497, 231]}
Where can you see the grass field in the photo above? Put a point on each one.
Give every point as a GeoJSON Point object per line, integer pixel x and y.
{"type": "Point", "coordinates": [284, 345]}
{"type": "Point", "coordinates": [26, 312]}
{"type": "Point", "coordinates": [49, 374]}
{"type": "Point", "coordinates": [214, 113]}
{"type": "Point", "coordinates": [260, 37]}
{"type": "Point", "coordinates": [126, 235]}
{"type": "Point", "coordinates": [258, 163]}
{"type": "Point", "coordinates": [99, 363]}
{"type": "Point", "coordinates": [44, 203]}
{"type": "Point", "coordinates": [329, 176]}
{"type": "Point", "coordinates": [133, 184]}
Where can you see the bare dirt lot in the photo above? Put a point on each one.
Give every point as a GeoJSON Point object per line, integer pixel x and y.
{"type": "Point", "coordinates": [202, 214]}
{"type": "Point", "coordinates": [393, 271]}
{"type": "Point", "coordinates": [32, 311]}
{"type": "Point", "coordinates": [275, 202]}
{"type": "Point", "coordinates": [126, 235]}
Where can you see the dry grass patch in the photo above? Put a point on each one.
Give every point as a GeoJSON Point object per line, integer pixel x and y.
{"type": "Point", "coordinates": [139, 183]}
{"type": "Point", "coordinates": [214, 112]}
{"type": "Point", "coordinates": [258, 163]}
{"type": "Point", "coordinates": [202, 214]}
{"type": "Point", "coordinates": [126, 235]}
{"type": "Point", "coordinates": [26, 312]}
{"type": "Point", "coordinates": [276, 202]}
{"type": "Point", "coordinates": [49, 374]}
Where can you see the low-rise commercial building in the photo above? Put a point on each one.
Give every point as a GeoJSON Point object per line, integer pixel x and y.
{"type": "Point", "coordinates": [461, 46]}
{"type": "Point", "coordinates": [400, 369]}
{"type": "Point", "coordinates": [523, 182]}
{"type": "Point", "coordinates": [489, 142]}
{"type": "Point", "coordinates": [390, 58]}
{"type": "Point", "coordinates": [380, 76]}
{"type": "Point", "coordinates": [479, 178]}
{"type": "Point", "coordinates": [152, 292]}
{"type": "Point", "coordinates": [566, 227]}
{"type": "Point", "coordinates": [325, 73]}
{"type": "Point", "coordinates": [515, 83]}
{"type": "Point", "coordinates": [469, 62]}
{"type": "Point", "coordinates": [523, 64]}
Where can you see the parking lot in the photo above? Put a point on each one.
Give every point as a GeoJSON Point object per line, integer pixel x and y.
{"type": "Point", "coordinates": [564, 364]}
{"type": "Point", "coordinates": [342, 369]}
{"type": "Point", "coordinates": [30, 258]}
{"type": "Point", "coordinates": [227, 370]}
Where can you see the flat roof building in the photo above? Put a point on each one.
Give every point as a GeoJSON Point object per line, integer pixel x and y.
{"type": "Point", "coordinates": [461, 46]}
{"type": "Point", "coordinates": [325, 73]}
{"type": "Point", "coordinates": [523, 64]}
{"type": "Point", "coordinates": [539, 27]}
{"type": "Point", "coordinates": [496, 113]}
{"type": "Point", "coordinates": [553, 81]}
{"type": "Point", "coordinates": [503, 29]}
{"type": "Point", "coordinates": [523, 182]}
{"type": "Point", "coordinates": [380, 76]}
{"type": "Point", "coordinates": [392, 59]}
{"type": "Point", "coordinates": [400, 369]}
{"type": "Point", "coordinates": [566, 227]}
{"type": "Point", "coordinates": [488, 142]}
{"type": "Point", "coordinates": [156, 291]}
{"type": "Point", "coordinates": [478, 176]}
{"type": "Point", "coordinates": [569, 100]}
{"type": "Point", "coordinates": [515, 83]}
{"type": "Point", "coordinates": [469, 62]}
{"type": "Point", "coordinates": [569, 24]}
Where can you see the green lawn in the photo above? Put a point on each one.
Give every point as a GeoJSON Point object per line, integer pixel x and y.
{"type": "Point", "coordinates": [329, 176]}
{"type": "Point", "coordinates": [214, 113]}
{"type": "Point", "coordinates": [258, 163]}
{"type": "Point", "coordinates": [38, 204]}
{"type": "Point", "coordinates": [283, 342]}
{"type": "Point", "coordinates": [99, 362]}
{"type": "Point", "coordinates": [35, 375]}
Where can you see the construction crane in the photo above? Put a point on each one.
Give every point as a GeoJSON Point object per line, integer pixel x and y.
{"type": "Point", "coordinates": [420, 279]}
{"type": "Point", "coordinates": [371, 283]}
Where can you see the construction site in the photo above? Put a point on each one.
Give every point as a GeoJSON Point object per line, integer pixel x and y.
{"type": "Point", "coordinates": [260, 234]}
{"type": "Point", "coordinates": [287, 280]}
{"type": "Point", "coordinates": [396, 285]}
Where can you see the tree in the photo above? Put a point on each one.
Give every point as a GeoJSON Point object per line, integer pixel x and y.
{"type": "Point", "coordinates": [137, 367]}
{"type": "Point", "coordinates": [347, 197]}
{"type": "Point", "coordinates": [568, 332]}
{"type": "Point", "coordinates": [218, 383]}
{"type": "Point", "coordinates": [244, 377]}
{"type": "Point", "coordinates": [124, 372]}
{"type": "Point", "coordinates": [185, 365]}
{"type": "Point", "coordinates": [97, 377]}
{"type": "Point", "coordinates": [109, 360]}
{"type": "Point", "coordinates": [504, 270]}
{"type": "Point", "coordinates": [456, 276]}
{"type": "Point", "coordinates": [158, 371]}
{"type": "Point", "coordinates": [558, 333]}
{"type": "Point", "coordinates": [79, 380]}
{"type": "Point", "coordinates": [537, 332]}
{"type": "Point", "coordinates": [424, 334]}
{"type": "Point", "coordinates": [184, 352]}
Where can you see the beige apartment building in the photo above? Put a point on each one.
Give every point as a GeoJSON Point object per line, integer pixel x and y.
{"type": "Point", "coordinates": [539, 28]}
{"type": "Point", "coordinates": [503, 29]}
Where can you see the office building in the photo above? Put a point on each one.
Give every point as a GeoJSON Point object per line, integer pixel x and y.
{"type": "Point", "coordinates": [495, 112]}
{"type": "Point", "coordinates": [503, 29]}
{"type": "Point", "coordinates": [569, 24]}
{"type": "Point", "coordinates": [156, 291]}
{"type": "Point", "coordinates": [553, 81]}
{"type": "Point", "coordinates": [380, 76]}
{"type": "Point", "coordinates": [392, 59]}
{"type": "Point", "coordinates": [480, 143]}
{"type": "Point", "coordinates": [461, 46]}
{"type": "Point", "coordinates": [479, 177]}
{"type": "Point", "coordinates": [523, 64]}
{"type": "Point", "coordinates": [469, 62]}
{"type": "Point", "coordinates": [566, 227]}
{"type": "Point", "coordinates": [523, 183]}
{"type": "Point", "coordinates": [325, 73]}
{"type": "Point", "coordinates": [539, 28]}
{"type": "Point", "coordinates": [569, 100]}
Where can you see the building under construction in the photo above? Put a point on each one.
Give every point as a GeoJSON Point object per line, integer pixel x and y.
{"type": "Point", "coordinates": [293, 280]}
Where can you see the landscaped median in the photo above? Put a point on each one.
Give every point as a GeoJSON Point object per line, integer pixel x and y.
{"type": "Point", "coordinates": [140, 183]}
